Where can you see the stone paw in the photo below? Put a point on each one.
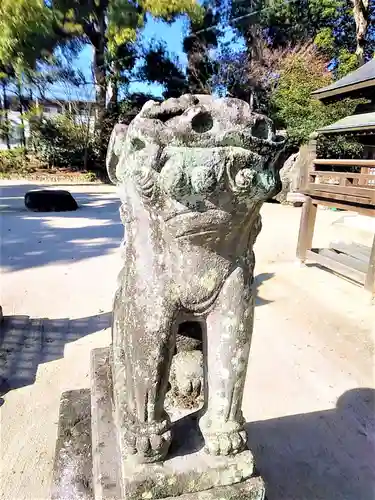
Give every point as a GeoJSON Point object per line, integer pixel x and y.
{"type": "Point", "coordinates": [225, 443]}
{"type": "Point", "coordinates": [186, 378]}
{"type": "Point", "coordinates": [147, 448]}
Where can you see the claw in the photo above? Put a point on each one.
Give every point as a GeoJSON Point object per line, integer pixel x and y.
{"type": "Point", "coordinates": [156, 442]}
{"type": "Point", "coordinates": [225, 444]}
{"type": "Point", "coordinates": [197, 387]}
{"type": "Point", "coordinates": [143, 444]}
{"type": "Point", "coordinates": [244, 438]}
{"type": "Point", "coordinates": [212, 446]}
{"type": "Point", "coordinates": [237, 442]}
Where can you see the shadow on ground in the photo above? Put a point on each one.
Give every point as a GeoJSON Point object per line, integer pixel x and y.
{"type": "Point", "coordinates": [32, 239]}
{"type": "Point", "coordinates": [258, 281]}
{"type": "Point", "coordinates": [25, 343]}
{"type": "Point", "coordinates": [324, 455]}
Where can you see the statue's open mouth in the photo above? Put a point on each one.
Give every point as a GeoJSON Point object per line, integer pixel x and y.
{"type": "Point", "coordinates": [194, 175]}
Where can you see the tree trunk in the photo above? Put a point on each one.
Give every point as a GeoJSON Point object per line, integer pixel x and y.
{"type": "Point", "coordinates": [6, 116]}
{"type": "Point", "coordinates": [101, 87]}
{"type": "Point", "coordinates": [254, 50]}
{"type": "Point", "coordinates": [97, 36]}
{"type": "Point", "coordinates": [254, 46]}
{"type": "Point", "coordinates": [19, 90]}
{"type": "Point", "coordinates": [113, 99]}
{"type": "Point", "coordinates": [361, 17]}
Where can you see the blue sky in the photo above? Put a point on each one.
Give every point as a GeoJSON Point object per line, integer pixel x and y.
{"type": "Point", "coordinates": [172, 35]}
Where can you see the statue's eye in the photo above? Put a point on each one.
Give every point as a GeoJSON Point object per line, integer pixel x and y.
{"type": "Point", "coordinates": [260, 129]}
{"type": "Point", "coordinates": [138, 144]}
{"type": "Point", "coordinates": [202, 122]}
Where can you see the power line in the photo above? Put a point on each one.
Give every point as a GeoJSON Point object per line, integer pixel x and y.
{"type": "Point", "coordinates": [234, 20]}
{"type": "Point", "coordinates": [239, 18]}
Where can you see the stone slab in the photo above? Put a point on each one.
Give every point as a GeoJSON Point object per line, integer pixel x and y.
{"type": "Point", "coordinates": [106, 458]}
{"type": "Point", "coordinates": [188, 469]}
{"type": "Point", "coordinates": [252, 489]}
{"type": "Point", "coordinates": [295, 198]}
{"type": "Point", "coordinates": [72, 471]}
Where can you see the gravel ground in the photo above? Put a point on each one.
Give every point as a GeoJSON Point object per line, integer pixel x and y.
{"type": "Point", "coordinates": [309, 396]}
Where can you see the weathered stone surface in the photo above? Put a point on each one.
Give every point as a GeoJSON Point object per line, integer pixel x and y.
{"type": "Point", "coordinates": [72, 471]}
{"type": "Point", "coordinates": [188, 468]}
{"type": "Point", "coordinates": [186, 378]}
{"type": "Point", "coordinates": [189, 337]}
{"type": "Point", "coordinates": [50, 200]}
{"type": "Point", "coordinates": [192, 173]}
{"type": "Point", "coordinates": [181, 474]}
{"type": "Point", "coordinates": [298, 175]}
{"type": "Point", "coordinates": [286, 176]}
{"type": "Point", "coordinates": [251, 489]}
{"type": "Point", "coordinates": [105, 453]}
{"type": "Point", "coordinates": [115, 146]}
{"type": "Point", "coordinates": [296, 199]}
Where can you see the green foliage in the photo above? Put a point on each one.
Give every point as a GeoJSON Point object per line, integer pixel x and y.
{"type": "Point", "coordinates": [346, 63]}
{"type": "Point", "coordinates": [328, 22]}
{"type": "Point", "coordinates": [286, 23]}
{"type": "Point", "coordinates": [170, 9]}
{"type": "Point", "coordinates": [339, 147]}
{"type": "Point", "coordinates": [159, 67]}
{"type": "Point", "coordinates": [325, 41]}
{"type": "Point", "coordinates": [5, 125]}
{"type": "Point", "coordinates": [13, 160]}
{"type": "Point", "coordinates": [203, 37]}
{"type": "Point", "coordinates": [293, 106]}
{"type": "Point", "coordinates": [61, 142]}
{"type": "Point", "coordinates": [132, 105]}
{"type": "Point", "coordinates": [26, 33]}
{"type": "Point", "coordinates": [112, 28]}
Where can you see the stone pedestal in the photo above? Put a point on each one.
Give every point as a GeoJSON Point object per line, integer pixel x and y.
{"type": "Point", "coordinates": [88, 465]}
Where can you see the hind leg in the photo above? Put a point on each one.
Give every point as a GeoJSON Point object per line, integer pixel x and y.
{"type": "Point", "coordinates": [229, 329]}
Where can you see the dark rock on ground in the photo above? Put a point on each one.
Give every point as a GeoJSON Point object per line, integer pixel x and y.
{"type": "Point", "coordinates": [50, 200]}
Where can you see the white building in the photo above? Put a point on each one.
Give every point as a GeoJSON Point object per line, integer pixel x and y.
{"type": "Point", "coordinates": [82, 111]}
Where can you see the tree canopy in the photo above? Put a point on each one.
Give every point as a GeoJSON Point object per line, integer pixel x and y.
{"type": "Point", "coordinates": [279, 52]}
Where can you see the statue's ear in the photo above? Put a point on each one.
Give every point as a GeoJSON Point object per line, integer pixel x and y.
{"type": "Point", "coordinates": [116, 143]}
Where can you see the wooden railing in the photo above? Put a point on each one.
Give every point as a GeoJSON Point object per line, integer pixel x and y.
{"type": "Point", "coordinates": [344, 189]}
{"type": "Point", "coordinates": [353, 191]}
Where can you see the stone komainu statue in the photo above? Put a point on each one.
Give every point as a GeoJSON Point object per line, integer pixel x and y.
{"type": "Point", "coordinates": [193, 173]}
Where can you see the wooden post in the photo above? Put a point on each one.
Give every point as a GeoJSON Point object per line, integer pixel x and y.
{"type": "Point", "coordinates": [370, 276]}
{"type": "Point", "coordinates": [306, 228]}
{"type": "Point", "coordinates": [305, 164]}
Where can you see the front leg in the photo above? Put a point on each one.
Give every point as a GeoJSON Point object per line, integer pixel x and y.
{"type": "Point", "coordinates": [229, 330]}
{"type": "Point", "coordinates": [142, 348]}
